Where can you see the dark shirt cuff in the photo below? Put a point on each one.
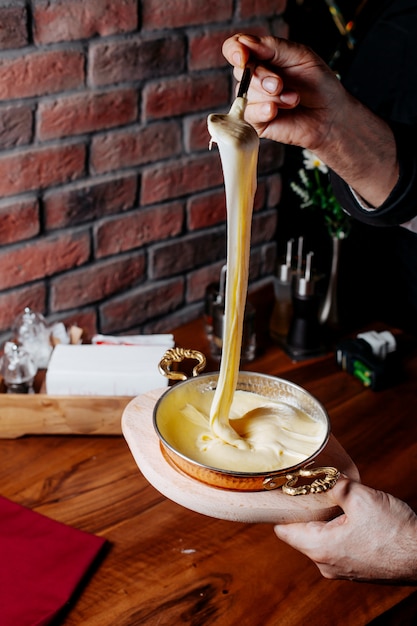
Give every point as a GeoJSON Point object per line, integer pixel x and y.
{"type": "Point", "coordinates": [401, 204]}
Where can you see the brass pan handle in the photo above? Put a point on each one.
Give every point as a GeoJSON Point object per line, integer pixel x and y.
{"type": "Point", "coordinates": [177, 355]}
{"type": "Point", "coordinates": [329, 477]}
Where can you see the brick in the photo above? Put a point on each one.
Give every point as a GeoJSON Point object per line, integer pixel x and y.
{"type": "Point", "coordinates": [264, 226]}
{"type": "Point", "coordinates": [43, 257]}
{"type": "Point", "coordinates": [136, 58]}
{"type": "Point", "coordinates": [196, 135]}
{"type": "Point", "coordinates": [135, 145]}
{"type": "Point", "coordinates": [13, 303]}
{"type": "Point", "coordinates": [260, 196]}
{"type": "Point", "coordinates": [205, 49]}
{"type": "Point", "coordinates": [269, 251]}
{"type": "Point", "coordinates": [141, 305]}
{"type": "Point", "coordinates": [165, 149]}
{"type": "Point", "coordinates": [179, 178]}
{"type": "Point", "coordinates": [68, 20]}
{"type": "Point", "coordinates": [83, 202]}
{"type": "Point", "coordinates": [40, 73]}
{"type": "Point", "coordinates": [186, 253]}
{"type": "Point", "coordinates": [15, 126]}
{"type": "Point", "coordinates": [209, 209]}
{"type": "Point", "coordinates": [271, 156]}
{"type": "Point", "coordinates": [19, 220]}
{"type": "Point", "coordinates": [175, 13]}
{"type": "Point", "coordinates": [137, 229]}
{"type": "Point", "coordinates": [84, 113]}
{"type": "Point", "coordinates": [38, 168]}
{"type": "Point", "coordinates": [96, 282]}
{"type": "Point", "coordinates": [206, 210]}
{"type": "Point", "coordinates": [173, 320]}
{"type": "Point", "coordinates": [255, 8]}
{"type": "Point", "coordinates": [13, 26]}
{"type": "Point", "coordinates": [255, 263]}
{"type": "Point", "coordinates": [274, 185]}
{"type": "Point", "coordinates": [198, 281]}
{"type": "Point", "coordinates": [185, 94]}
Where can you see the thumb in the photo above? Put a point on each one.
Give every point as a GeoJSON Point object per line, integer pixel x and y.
{"type": "Point", "coordinates": [300, 534]}
{"type": "Point", "coordinates": [276, 51]}
{"type": "Point", "coordinates": [341, 491]}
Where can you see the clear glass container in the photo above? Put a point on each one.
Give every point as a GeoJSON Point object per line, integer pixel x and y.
{"type": "Point", "coordinates": [17, 369]}
{"type": "Point", "coordinates": [31, 331]}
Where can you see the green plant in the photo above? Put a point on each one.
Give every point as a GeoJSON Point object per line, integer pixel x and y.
{"type": "Point", "coordinates": [316, 192]}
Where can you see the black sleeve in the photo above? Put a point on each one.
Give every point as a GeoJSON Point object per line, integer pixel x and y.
{"type": "Point", "coordinates": [401, 204]}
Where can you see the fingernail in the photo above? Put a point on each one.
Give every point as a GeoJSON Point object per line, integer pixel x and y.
{"type": "Point", "coordinates": [289, 97]}
{"type": "Point", "coordinates": [270, 84]}
{"type": "Point", "coordinates": [266, 109]}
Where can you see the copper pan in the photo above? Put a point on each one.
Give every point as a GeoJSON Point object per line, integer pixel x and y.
{"type": "Point", "coordinates": [270, 387]}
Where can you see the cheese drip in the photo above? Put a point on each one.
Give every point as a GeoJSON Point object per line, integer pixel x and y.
{"type": "Point", "coordinates": [238, 145]}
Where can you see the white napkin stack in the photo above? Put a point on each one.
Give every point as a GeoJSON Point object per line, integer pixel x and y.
{"type": "Point", "coordinates": [107, 368]}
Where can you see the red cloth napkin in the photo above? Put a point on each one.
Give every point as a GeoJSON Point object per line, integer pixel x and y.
{"type": "Point", "coordinates": [41, 564]}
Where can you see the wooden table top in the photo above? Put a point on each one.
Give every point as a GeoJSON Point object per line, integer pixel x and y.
{"type": "Point", "coordinates": [168, 565]}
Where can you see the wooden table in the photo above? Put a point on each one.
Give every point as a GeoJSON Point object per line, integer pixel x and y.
{"type": "Point", "coordinates": [167, 565]}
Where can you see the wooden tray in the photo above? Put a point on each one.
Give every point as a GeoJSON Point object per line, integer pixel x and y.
{"type": "Point", "coordinates": [265, 506]}
{"type": "Point", "coordinates": [43, 414]}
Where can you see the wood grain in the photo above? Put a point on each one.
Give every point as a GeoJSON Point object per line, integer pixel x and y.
{"type": "Point", "coordinates": [167, 565]}
{"type": "Point", "coordinates": [44, 414]}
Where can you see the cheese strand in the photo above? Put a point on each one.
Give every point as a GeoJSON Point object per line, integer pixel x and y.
{"type": "Point", "coordinates": [238, 145]}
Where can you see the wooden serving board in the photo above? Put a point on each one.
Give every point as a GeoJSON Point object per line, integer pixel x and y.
{"type": "Point", "coordinates": [260, 506]}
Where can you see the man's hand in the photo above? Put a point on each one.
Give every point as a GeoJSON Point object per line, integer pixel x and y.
{"type": "Point", "coordinates": [375, 539]}
{"type": "Point", "coordinates": [293, 95]}
{"type": "Point", "coordinates": [296, 99]}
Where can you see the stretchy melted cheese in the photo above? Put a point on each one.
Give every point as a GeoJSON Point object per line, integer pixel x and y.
{"type": "Point", "coordinates": [238, 145]}
{"type": "Point", "coordinates": [229, 429]}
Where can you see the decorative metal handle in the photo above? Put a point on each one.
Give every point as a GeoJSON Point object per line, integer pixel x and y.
{"type": "Point", "coordinates": [329, 477]}
{"type": "Point", "coordinates": [177, 355]}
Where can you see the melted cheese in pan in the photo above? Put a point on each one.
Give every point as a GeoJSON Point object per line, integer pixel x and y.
{"type": "Point", "coordinates": [230, 429]}
{"type": "Point", "coordinates": [276, 434]}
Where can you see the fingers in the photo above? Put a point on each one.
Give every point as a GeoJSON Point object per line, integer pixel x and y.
{"type": "Point", "coordinates": [341, 490]}
{"type": "Point", "coordinates": [273, 52]}
{"type": "Point", "coordinates": [353, 497]}
{"type": "Point", "coordinates": [302, 536]}
{"type": "Point", "coordinates": [267, 87]}
{"type": "Point", "coordinates": [310, 537]}
{"type": "Point", "coordinates": [242, 47]}
{"type": "Point", "coordinates": [235, 52]}
{"type": "Point", "coordinates": [305, 537]}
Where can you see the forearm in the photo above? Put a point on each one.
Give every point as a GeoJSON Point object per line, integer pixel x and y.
{"type": "Point", "coordinates": [295, 99]}
{"type": "Point", "coordinates": [360, 147]}
{"type": "Point", "coordinates": [400, 207]}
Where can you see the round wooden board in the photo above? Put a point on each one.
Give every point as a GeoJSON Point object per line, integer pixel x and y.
{"type": "Point", "coordinates": [260, 506]}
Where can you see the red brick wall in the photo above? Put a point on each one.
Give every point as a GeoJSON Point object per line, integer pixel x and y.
{"type": "Point", "coordinates": [112, 208]}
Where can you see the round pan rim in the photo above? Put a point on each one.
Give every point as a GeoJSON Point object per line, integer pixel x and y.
{"type": "Point", "coordinates": [235, 473]}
